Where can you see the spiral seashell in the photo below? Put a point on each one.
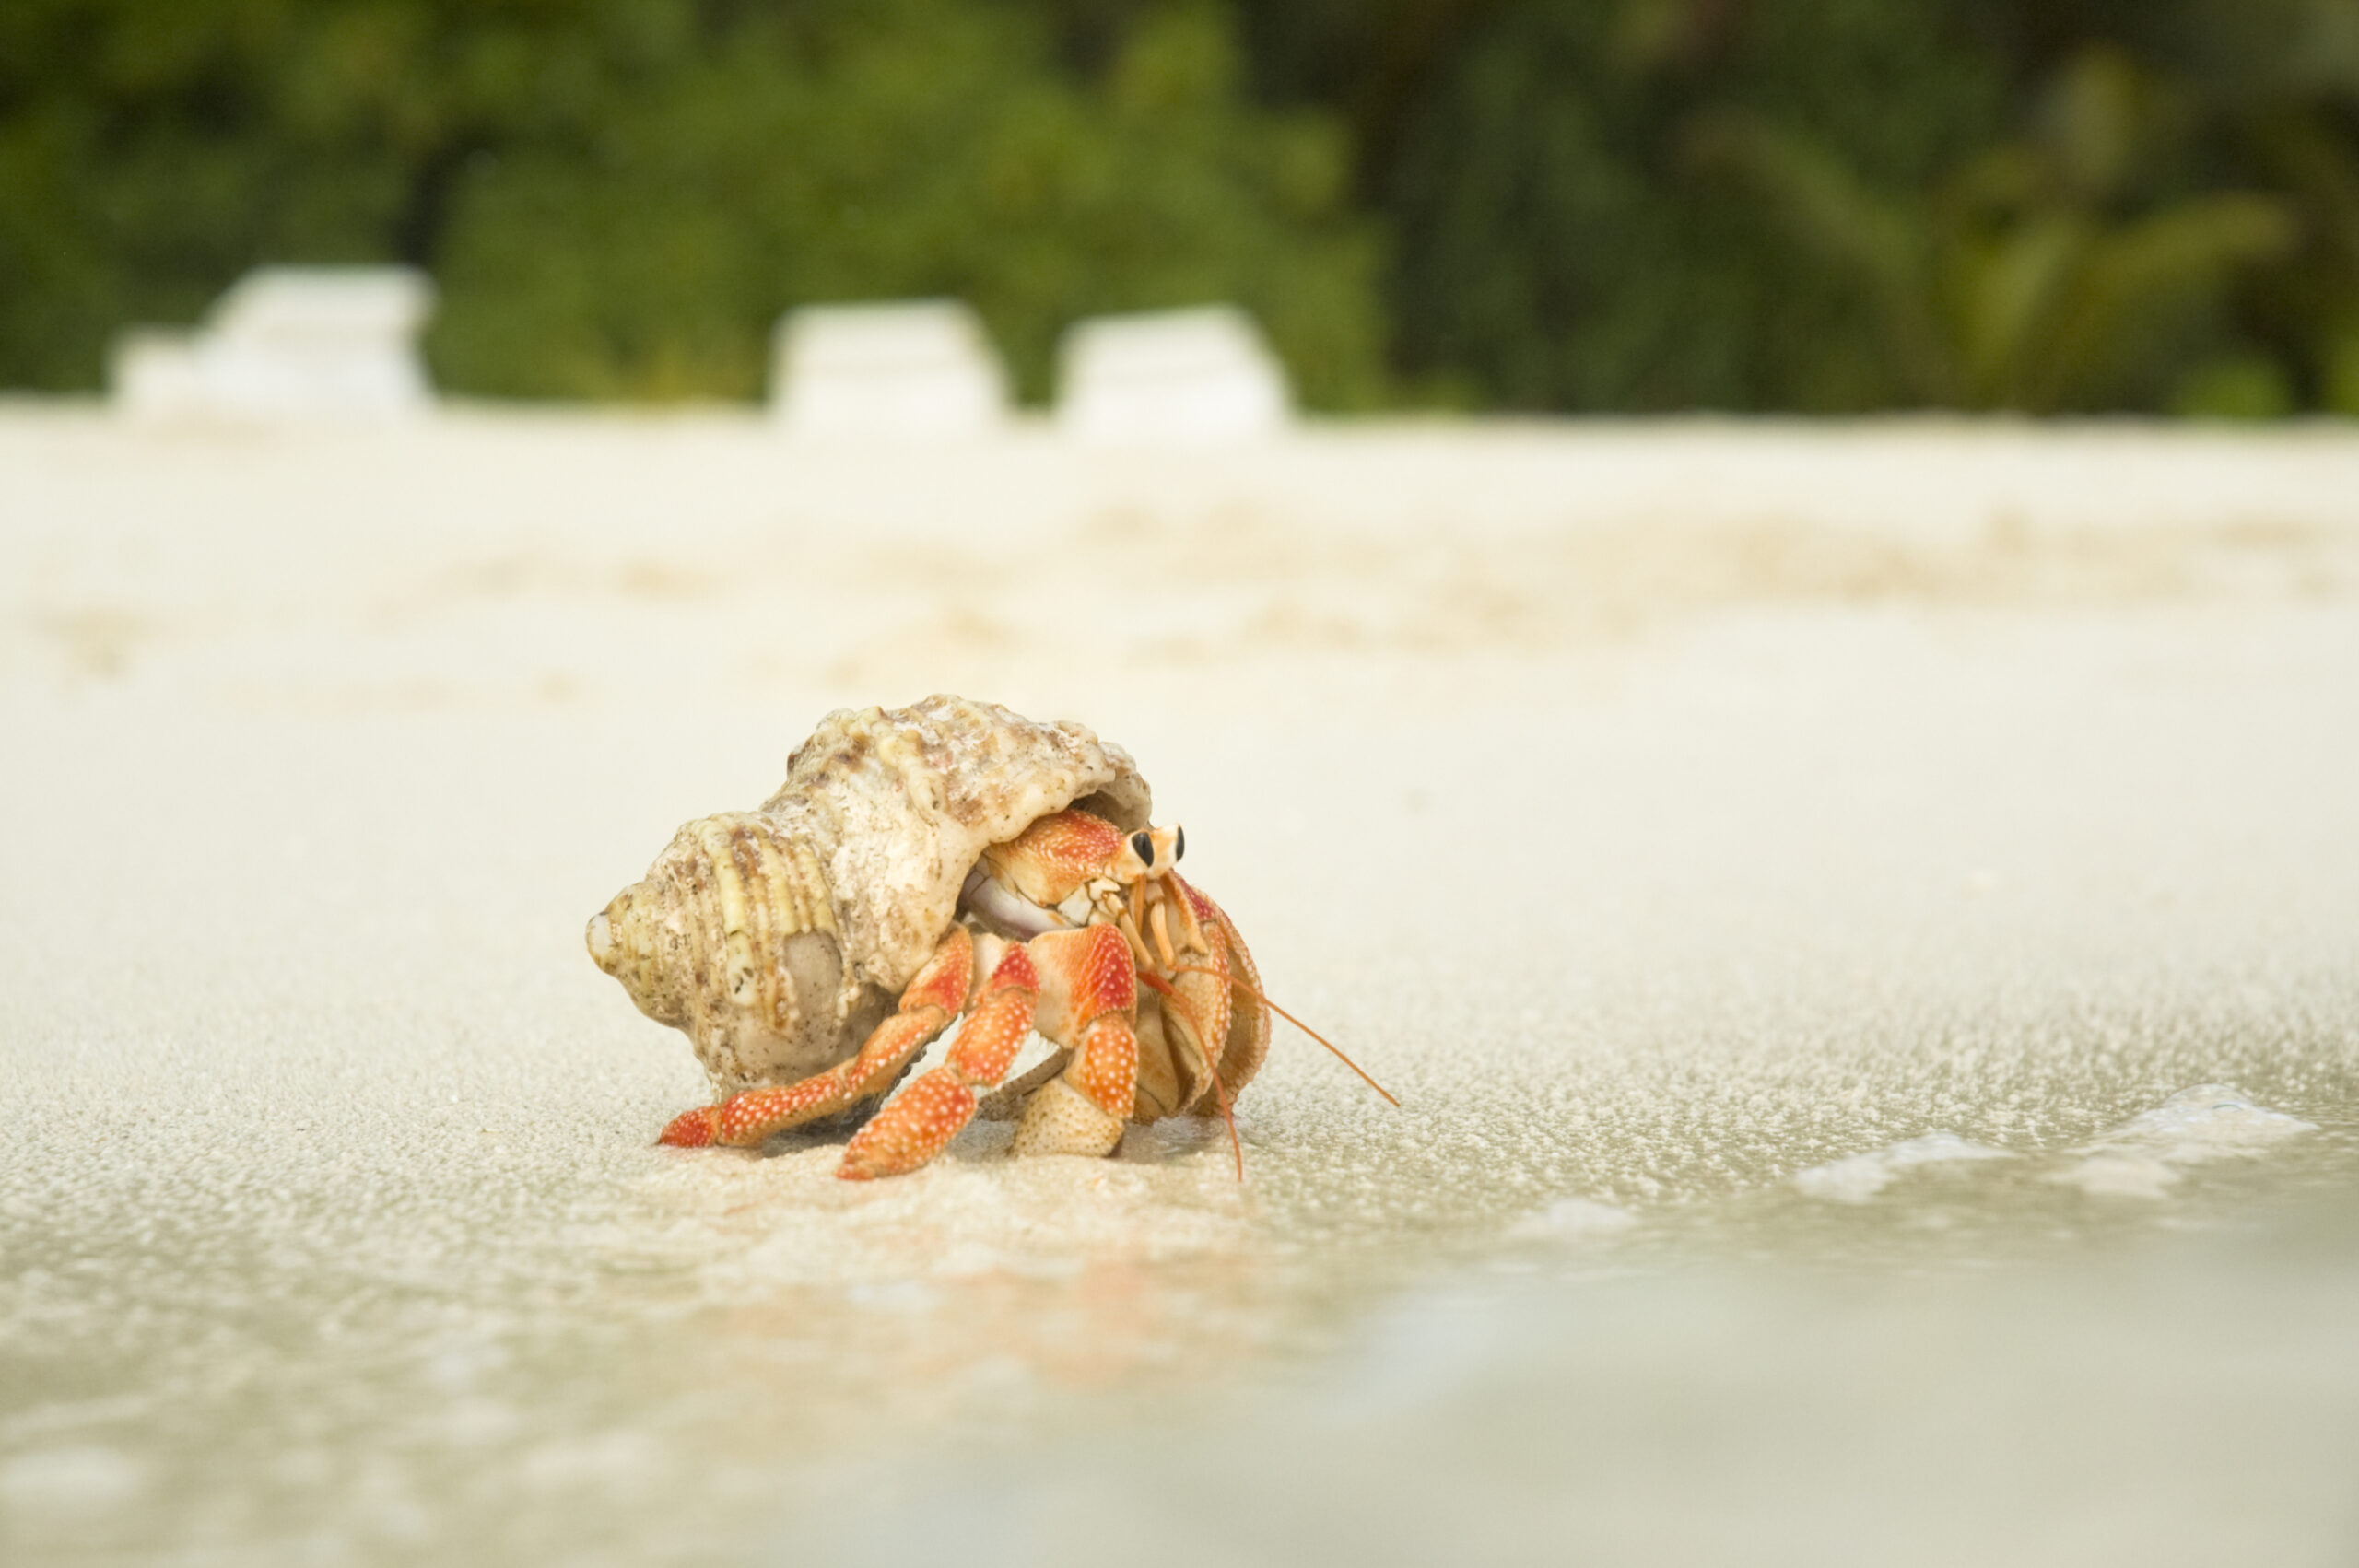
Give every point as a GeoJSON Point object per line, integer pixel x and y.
{"type": "Point", "coordinates": [777, 939]}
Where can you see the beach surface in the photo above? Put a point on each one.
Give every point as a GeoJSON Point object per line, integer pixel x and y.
{"type": "Point", "coordinates": [1862, 921]}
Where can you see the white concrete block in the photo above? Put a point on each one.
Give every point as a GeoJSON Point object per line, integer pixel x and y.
{"type": "Point", "coordinates": [289, 342]}
{"type": "Point", "coordinates": [916, 370]}
{"type": "Point", "coordinates": [1200, 375]}
{"type": "Point", "coordinates": [153, 372]}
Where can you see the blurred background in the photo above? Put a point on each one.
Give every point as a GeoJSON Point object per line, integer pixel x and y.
{"type": "Point", "coordinates": [1858, 911]}
{"type": "Point", "coordinates": [1824, 206]}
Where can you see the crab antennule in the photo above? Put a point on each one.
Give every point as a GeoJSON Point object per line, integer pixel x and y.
{"type": "Point", "coordinates": [1263, 995]}
{"type": "Point", "coordinates": [1161, 931]}
{"type": "Point", "coordinates": [1220, 1092]}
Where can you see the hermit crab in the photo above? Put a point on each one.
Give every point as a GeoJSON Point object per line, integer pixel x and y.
{"type": "Point", "coordinates": [949, 862]}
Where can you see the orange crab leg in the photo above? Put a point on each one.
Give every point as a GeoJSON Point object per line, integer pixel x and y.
{"type": "Point", "coordinates": [930, 1111]}
{"type": "Point", "coordinates": [1089, 1001]}
{"type": "Point", "coordinates": [1097, 984]}
{"type": "Point", "coordinates": [933, 999]}
{"type": "Point", "coordinates": [1106, 1068]}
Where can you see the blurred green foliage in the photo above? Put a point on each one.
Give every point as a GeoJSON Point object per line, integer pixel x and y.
{"type": "Point", "coordinates": [618, 197]}
{"type": "Point", "coordinates": [1831, 205]}
{"type": "Point", "coordinates": [2029, 277]}
{"type": "Point", "coordinates": [902, 149]}
{"type": "Point", "coordinates": [1821, 205]}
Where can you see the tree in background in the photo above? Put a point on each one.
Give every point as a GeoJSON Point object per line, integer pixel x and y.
{"type": "Point", "coordinates": [897, 150]}
{"type": "Point", "coordinates": [2272, 88]}
{"type": "Point", "coordinates": [1815, 206]}
{"type": "Point", "coordinates": [1555, 246]}
{"type": "Point", "coordinates": [149, 154]}
{"type": "Point", "coordinates": [2037, 276]}
{"type": "Point", "coordinates": [618, 198]}
{"type": "Point", "coordinates": [1840, 205]}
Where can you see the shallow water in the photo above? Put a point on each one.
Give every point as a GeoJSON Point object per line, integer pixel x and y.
{"type": "Point", "coordinates": [1879, 1076]}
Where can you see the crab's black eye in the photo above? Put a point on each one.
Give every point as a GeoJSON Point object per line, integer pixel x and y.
{"type": "Point", "coordinates": [1179, 844]}
{"type": "Point", "coordinates": [1143, 848]}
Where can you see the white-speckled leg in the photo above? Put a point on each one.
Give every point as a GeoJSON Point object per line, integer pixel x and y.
{"type": "Point", "coordinates": [1088, 996]}
{"type": "Point", "coordinates": [1059, 1119]}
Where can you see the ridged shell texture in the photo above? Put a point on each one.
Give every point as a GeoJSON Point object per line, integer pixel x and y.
{"type": "Point", "coordinates": [777, 939]}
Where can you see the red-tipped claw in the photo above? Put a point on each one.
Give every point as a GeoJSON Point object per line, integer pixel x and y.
{"type": "Point", "coordinates": [692, 1130]}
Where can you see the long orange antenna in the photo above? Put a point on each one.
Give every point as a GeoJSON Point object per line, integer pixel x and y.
{"type": "Point", "coordinates": [1220, 1091]}
{"type": "Point", "coordinates": [1199, 969]}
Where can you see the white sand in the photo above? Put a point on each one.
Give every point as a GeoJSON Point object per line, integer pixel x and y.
{"type": "Point", "coordinates": [1664, 813]}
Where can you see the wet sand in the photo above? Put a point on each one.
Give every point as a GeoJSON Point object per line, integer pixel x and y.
{"type": "Point", "coordinates": [1861, 921]}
